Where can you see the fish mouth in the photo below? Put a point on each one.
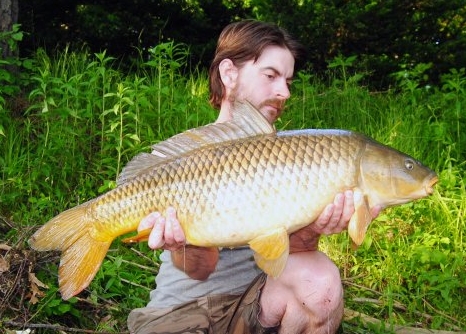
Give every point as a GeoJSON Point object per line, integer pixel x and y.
{"type": "Point", "coordinates": [430, 184]}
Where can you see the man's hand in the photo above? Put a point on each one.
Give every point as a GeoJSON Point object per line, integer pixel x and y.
{"type": "Point", "coordinates": [336, 216]}
{"type": "Point", "coordinates": [197, 262]}
{"type": "Point", "coordinates": [166, 230]}
{"type": "Point", "coordinates": [334, 219]}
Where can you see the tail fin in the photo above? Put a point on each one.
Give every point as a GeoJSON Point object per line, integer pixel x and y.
{"type": "Point", "coordinates": [82, 255]}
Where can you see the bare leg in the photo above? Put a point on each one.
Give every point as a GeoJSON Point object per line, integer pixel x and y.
{"type": "Point", "coordinates": [306, 298]}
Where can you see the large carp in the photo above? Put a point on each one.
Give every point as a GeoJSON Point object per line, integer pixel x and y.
{"type": "Point", "coordinates": [235, 183]}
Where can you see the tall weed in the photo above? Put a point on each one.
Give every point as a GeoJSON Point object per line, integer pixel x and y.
{"type": "Point", "coordinates": [88, 118]}
{"type": "Point", "coordinates": [412, 261]}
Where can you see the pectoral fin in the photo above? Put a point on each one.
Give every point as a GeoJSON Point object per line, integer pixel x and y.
{"type": "Point", "coordinates": [360, 220]}
{"type": "Point", "coordinates": [271, 251]}
{"type": "Point", "coordinates": [142, 235]}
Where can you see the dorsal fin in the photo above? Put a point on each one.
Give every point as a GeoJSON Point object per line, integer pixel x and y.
{"type": "Point", "coordinates": [246, 121]}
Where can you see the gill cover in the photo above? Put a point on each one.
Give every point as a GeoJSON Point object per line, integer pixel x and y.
{"type": "Point", "coordinates": [391, 177]}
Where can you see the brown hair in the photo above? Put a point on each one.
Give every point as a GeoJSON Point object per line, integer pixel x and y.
{"type": "Point", "coordinates": [243, 41]}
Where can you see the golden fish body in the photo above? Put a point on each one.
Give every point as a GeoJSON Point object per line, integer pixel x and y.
{"type": "Point", "coordinates": [233, 184]}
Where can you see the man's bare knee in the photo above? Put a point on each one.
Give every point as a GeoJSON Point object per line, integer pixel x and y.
{"type": "Point", "coordinates": [326, 287]}
{"type": "Point", "coordinates": [309, 293]}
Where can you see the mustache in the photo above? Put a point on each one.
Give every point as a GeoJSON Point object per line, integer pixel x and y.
{"type": "Point", "coordinates": [276, 103]}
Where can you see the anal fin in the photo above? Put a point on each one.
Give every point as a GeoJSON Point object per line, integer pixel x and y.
{"type": "Point", "coordinates": [271, 251]}
{"type": "Point", "coordinates": [142, 235]}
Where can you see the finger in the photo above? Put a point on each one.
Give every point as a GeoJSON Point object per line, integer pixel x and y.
{"type": "Point", "coordinates": [324, 218]}
{"type": "Point", "coordinates": [348, 205]}
{"type": "Point", "coordinates": [168, 231]}
{"type": "Point", "coordinates": [178, 233]}
{"type": "Point", "coordinates": [148, 221]}
{"type": "Point", "coordinates": [331, 221]}
{"type": "Point", "coordinates": [375, 211]}
{"type": "Point", "coordinates": [156, 236]}
{"type": "Point", "coordinates": [338, 204]}
{"type": "Point", "coordinates": [170, 242]}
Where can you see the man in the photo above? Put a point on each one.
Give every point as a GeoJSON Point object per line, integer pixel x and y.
{"type": "Point", "coordinates": [207, 290]}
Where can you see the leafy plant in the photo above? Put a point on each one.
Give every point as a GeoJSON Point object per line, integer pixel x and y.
{"type": "Point", "coordinates": [88, 117]}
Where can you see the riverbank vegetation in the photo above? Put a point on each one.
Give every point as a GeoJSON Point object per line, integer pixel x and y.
{"type": "Point", "coordinates": [72, 120]}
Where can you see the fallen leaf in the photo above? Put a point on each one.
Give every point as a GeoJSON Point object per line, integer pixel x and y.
{"type": "Point", "coordinates": [35, 280]}
{"type": "Point", "coordinates": [5, 247]}
{"type": "Point", "coordinates": [4, 265]}
{"type": "Point", "coordinates": [36, 284]}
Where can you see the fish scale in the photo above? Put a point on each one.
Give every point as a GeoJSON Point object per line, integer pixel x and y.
{"type": "Point", "coordinates": [264, 171]}
{"type": "Point", "coordinates": [233, 184]}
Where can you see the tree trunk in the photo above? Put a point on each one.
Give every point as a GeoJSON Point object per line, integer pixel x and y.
{"type": "Point", "coordinates": [8, 17]}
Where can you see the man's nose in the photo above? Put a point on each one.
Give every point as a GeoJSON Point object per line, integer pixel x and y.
{"type": "Point", "coordinates": [282, 90]}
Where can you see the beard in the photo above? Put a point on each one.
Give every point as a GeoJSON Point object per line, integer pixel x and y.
{"type": "Point", "coordinates": [278, 104]}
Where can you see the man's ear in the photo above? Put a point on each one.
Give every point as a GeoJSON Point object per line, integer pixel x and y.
{"type": "Point", "coordinates": [228, 74]}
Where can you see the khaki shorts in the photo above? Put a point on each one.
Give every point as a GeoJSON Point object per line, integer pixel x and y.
{"type": "Point", "coordinates": [218, 314]}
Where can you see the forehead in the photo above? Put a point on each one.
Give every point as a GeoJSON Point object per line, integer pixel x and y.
{"type": "Point", "coordinates": [276, 58]}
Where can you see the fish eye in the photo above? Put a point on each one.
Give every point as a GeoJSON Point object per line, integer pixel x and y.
{"type": "Point", "coordinates": [409, 164]}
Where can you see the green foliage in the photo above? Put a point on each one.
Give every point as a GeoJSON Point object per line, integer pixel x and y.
{"type": "Point", "coordinates": [386, 35]}
{"type": "Point", "coordinates": [12, 79]}
{"type": "Point", "coordinates": [53, 306]}
{"type": "Point", "coordinates": [87, 118]}
{"type": "Point", "coordinates": [343, 64]}
{"type": "Point", "coordinates": [125, 28]}
{"type": "Point", "coordinates": [411, 265]}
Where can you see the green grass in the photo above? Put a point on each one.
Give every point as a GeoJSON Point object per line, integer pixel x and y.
{"type": "Point", "coordinates": [86, 118]}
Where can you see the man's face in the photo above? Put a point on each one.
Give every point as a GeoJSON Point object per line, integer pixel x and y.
{"type": "Point", "coordinates": [265, 83]}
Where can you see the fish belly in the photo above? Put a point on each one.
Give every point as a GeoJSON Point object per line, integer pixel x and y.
{"type": "Point", "coordinates": [231, 193]}
{"type": "Point", "coordinates": [244, 190]}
